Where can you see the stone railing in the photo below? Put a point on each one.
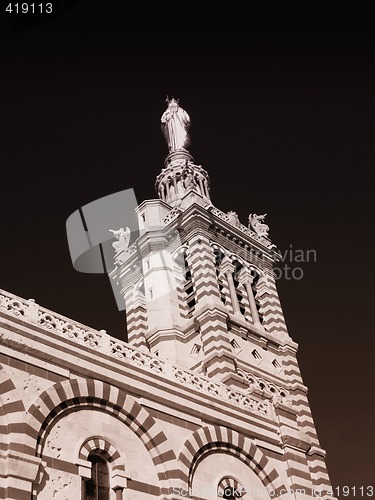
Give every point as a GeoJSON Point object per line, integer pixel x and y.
{"type": "Point", "coordinates": [173, 214]}
{"type": "Point", "coordinates": [101, 342]}
{"type": "Point", "coordinates": [241, 227]}
{"type": "Point", "coordinates": [32, 312]}
{"type": "Point", "coordinates": [222, 391]}
{"type": "Point", "coordinates": [267, 389]}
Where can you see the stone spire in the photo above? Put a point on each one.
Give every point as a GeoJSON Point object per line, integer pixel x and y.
{"type": "Point", "coordinates": [181, 181]}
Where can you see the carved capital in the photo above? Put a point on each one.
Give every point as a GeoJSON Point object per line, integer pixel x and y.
{"type": "Point", "coordinates": [245, 277]}
{"type": "Point", "coordinates": [226, 267]}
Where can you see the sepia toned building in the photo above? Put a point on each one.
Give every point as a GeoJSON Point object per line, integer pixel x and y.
{"type": "Point", "coordinates": [206, 399]}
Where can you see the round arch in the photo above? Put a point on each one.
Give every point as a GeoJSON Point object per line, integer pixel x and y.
{"type": "Point", "coordinates": [217, 438]}
{"type": "Point", "coordinates": [105, 448]}
{"type": "Point", "coordinates": [72, 394]}
{"type": "Point", "coordinates": [12, 410]}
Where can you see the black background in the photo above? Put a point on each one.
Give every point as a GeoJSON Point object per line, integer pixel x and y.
{"type": "Point", "coordinates": [282, 103]}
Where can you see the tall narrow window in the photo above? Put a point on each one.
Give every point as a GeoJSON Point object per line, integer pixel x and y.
{"type": "Point", "coordinates": [254, 286]}
{"type": "Point", "coordinates": [219, 256]}
{"type": "Point", "coordinates": [97, 488]}
{"type": "Point", "coordinates": [186, 283]}
{"type": "Point", "coordinates": [240, 291]}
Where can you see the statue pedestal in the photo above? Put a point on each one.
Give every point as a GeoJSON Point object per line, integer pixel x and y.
{"type": "Point", "coordinates": [181, 154]}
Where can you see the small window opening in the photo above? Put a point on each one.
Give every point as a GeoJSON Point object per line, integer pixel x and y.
{"type": "Point", "coordinates": [256, 354]}
{"type": "Point", "coordinates": [235, 344]}
{"type": "Point", "coordinates": [97, 488]}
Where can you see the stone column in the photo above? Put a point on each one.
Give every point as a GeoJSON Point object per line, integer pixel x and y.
{"type": "Point", "coordinates": [206, 189]}
{"type": "Point", "coordinates": [200, 181]}
{"type": "Point", "coordinates": [175, 185]}
{"type": "Point", "coordinates": [246, 279]}
{"type": "Point", "coordinates": [227, 269]}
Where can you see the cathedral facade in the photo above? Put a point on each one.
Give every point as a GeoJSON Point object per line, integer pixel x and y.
{"type": "Point", "coordinates": [206, 399]}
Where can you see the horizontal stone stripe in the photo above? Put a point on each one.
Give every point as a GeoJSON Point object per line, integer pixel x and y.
{"type": "Point", "coordinates": [290, 361]}
{"type": "Point", "coordinates": [303, 407]}
{"type": "Point", "coordinates": [212, 323]}
{"type": "Point", "coordinates": [291, 372]}
{"type": "Point", "coordinates": [136, 322]}
{"type": "Point", "coordinates": [300, 398]}
{"type": "Point", "coordinates": [164, 458]}
{"type": "Point", "coordinates": [272, 327]}
{"type": "Point", "coordinates": [61, 465]}
{"type": "Point", "coordinates": [274, 321]}
{"type": "Point", "coordinates": [270, 301]}
{"type": "Point", "coordinates": [295, 472]}
{"type": "Point", "coordinates": [218, 370]}
{"type": "Point", "coordinates": [11, 493]}
{"type": "Point", "coordinates": [319, 473]}
{"type": "Point", "coordinates": [317, 467]}
{"type": "Point", "coordinates": [22, 428]}
{"type": "Point", "coordinates": [137, 344]}
{"type": "Point", "coordinates": [212, 347]}
{"type": "Point", "coordinates": [13, 407]}
{"type": "Point", "coordinates": [270, 308]}
{"type": "Point", "coordinates": [304, 416]}
{"type": "Point", "coordinates": [6, 385]}
{"type": "Point", "coordinates": [308, 428]}
{"type": "Point", "coordinates": [212, 337]}
{"type": "Point", "coordinates": [134, 485]}
{"type": "Point", "coordinates": [207, 289]}
{"type": "Point", "coordinates": [22, 447]}
{"type": "Point", "coordinates": [322, 481]}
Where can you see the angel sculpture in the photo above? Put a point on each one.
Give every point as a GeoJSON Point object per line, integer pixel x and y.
{"type": "Point", "coordinates": [257, 225]}
{"type": "Point", "coordinates": [123, 237]}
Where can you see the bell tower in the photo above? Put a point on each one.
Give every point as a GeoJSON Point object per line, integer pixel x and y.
{"type": "Point", "coordinates": [200, 292]}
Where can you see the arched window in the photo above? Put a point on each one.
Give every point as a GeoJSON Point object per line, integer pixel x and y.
{"type": "Point", "coordinates": [97, 488]}
{"type": "Point", "coordinates": [240, 291]}
{"type": "Point", "coordinates": [254, 286]}
{"type": "Point", "coordinates": [230, 489]}
{"type": "Point", "coordinates": [185, 282]}
{"type": "Point", "coordinates": [219, 256]}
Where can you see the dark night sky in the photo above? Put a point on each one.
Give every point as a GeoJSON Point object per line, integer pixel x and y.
{"type": "Point", "coordinates": [283, 119]}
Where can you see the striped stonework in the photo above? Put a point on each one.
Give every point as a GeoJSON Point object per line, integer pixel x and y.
{"type": "Point", "coordinates": [136, 317]}
{"type": "Point", "coordinates": [318, 471]}
{"type": "Point", "coordinates": [230, 485]}
{"type": "Point", "coordinates": [298, 392]}
{"type": "Point", "coordinates": [221, 439]}
{"type": "Point", "coordinates": [180, 258]}
{"type": "Point", "coordinates": [298, 470]}
{"type": "Point", "coordinates": [202, 265]}
{"type": "Point", "coordinates": [15, 446]}
{"type": "Point", "coordinates": [219, 359]}
{"type": "Point", "coordinates": [73, 394]}
{"type": "Point", "coordinates": [12, 418]}
{"type": "Point", "coordinates": [105, 448]}
{"type": "Point", "coordinates": [273, 317]}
